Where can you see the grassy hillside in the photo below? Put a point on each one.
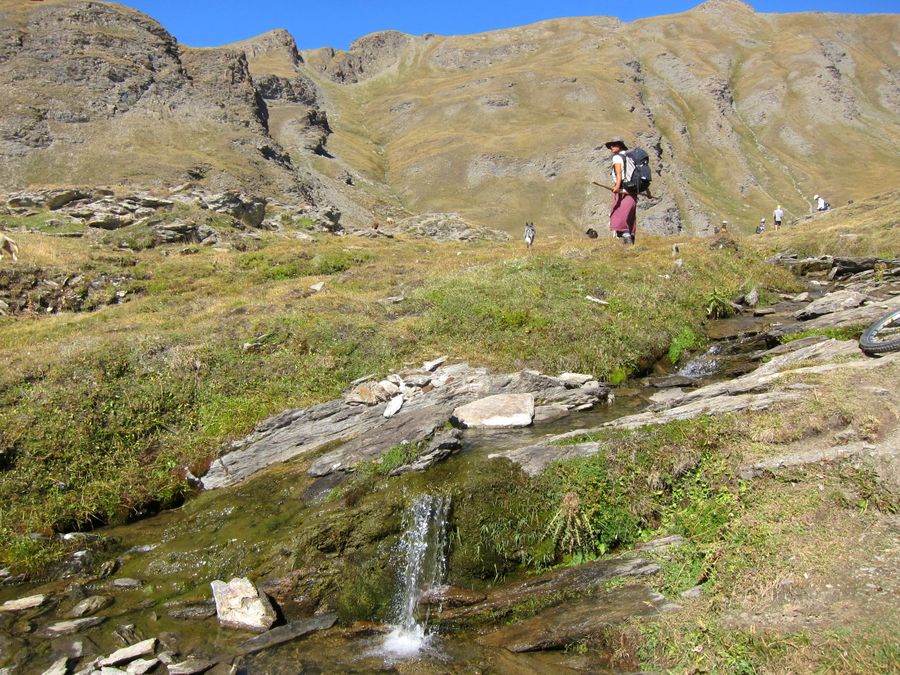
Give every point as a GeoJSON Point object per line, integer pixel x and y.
{"type": "Point", "coordinates": [211, 343]}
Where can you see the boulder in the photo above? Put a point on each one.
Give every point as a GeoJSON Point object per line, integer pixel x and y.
{"type": "Point", "coordinates": [240, 604]}
{"type": "Point", "coordinates": [573, 380]}
{"type": "Point", "coordinates": [499, 411]}
{"type": "Point", "coordinates": [251, 211]}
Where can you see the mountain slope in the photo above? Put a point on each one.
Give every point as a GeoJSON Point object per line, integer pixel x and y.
{"type": "Point", "coordinates": [739, 111]}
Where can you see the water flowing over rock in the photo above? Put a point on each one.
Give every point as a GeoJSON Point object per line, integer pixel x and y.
{"type": "Point", "coordinates": [423, 551]}
{"type": "Point", "coordinates": [240, 604]}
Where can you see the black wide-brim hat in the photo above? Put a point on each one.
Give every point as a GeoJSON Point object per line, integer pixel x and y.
{"type": "Point", "coordinates": [616, 140]}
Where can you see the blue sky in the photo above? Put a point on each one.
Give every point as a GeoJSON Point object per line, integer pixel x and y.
{"type": "Point", "coordinates": [206, 23]}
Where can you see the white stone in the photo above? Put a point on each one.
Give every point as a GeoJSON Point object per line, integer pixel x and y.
{"type": "Point", "coordinates": [23, 603]}
{"type": "Point", "coordinates": [499, 411]}
{"type": "Point", "coordinates": [432, 365]}
{"type": "Point", "coordinates": [389, 387]}
{"type": "Point", "coordinates": [318, 286]}
{"type": "Point", "coordinates": [394, 406]}
{"type": "Point", "coordinates": [129, 653]}
{"type": "Point", "coordinates": [575, 379]}
{"type": "Point", "coordinates": [141, 666]}
{"type": "Point", "coordinates": [240, 604]}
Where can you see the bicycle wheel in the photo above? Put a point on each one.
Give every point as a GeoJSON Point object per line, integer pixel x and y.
{"type": "Point", "coordinates": [883, 336]}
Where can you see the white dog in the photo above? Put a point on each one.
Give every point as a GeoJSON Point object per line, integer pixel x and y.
{"type": "Point", "coordinates": [7, 245]}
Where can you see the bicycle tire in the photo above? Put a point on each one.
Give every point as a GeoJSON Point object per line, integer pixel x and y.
{"type": "Point", "coordinates": [870, 342]}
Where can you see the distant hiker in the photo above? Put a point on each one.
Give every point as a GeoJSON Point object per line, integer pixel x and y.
{"type": "Point", "coordinates": [778, 216]}
{"type": "Point", "coordinates": [591, 233]}
{"type": "Point", "coordinates": [723, 228]}
{"type": "Point", "coordinates": [821, 204]}
{"type": "Point", "coordinates": [761, 227]}
{"type": "Point", "coordinates": [7, 245]}
{"type": "Point", "coordinates": [622, 214]}
{"type": "Point", "coordinates": [530, 231]}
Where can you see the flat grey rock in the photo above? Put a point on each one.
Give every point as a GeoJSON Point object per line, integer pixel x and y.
{"type": "Point", "coordinates": [90, 605]}
{"type": "Point", "coordinates": [500, 411]}
{"type": "Point", "coordinates": [28, 602]}
{"type": "Point", "coordinates": [830, 303]}
{"type": "Point", "coordinates": [129, 653]}
{"type": "Point", "coordinates": [70, 627]}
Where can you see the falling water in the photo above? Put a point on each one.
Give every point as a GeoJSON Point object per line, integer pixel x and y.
{"type": "Point", "coordinates": [422, 552]}
{"type": "Point", "coordinates": [703, 365]}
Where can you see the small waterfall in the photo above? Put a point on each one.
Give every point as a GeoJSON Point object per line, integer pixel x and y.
{"type": "Point", "coordinates": [423, 550]}
{"type": "Point", "coordinates": [703, 365]}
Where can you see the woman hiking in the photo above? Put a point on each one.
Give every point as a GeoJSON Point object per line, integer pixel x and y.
{"type": "Point", "coordinates": [622, 215]}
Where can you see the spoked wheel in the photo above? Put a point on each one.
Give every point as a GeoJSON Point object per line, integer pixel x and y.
{"type": "Point", "coordinates": [883, 336]}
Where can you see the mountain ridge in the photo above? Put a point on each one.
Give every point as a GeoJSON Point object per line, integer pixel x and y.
{"type": "Point", "coordinates": [501, 127]}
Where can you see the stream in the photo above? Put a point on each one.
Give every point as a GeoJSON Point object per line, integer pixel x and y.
{"type": "Point", "coordinates": [160, 584]}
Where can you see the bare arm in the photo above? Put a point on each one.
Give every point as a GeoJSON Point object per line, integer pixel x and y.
{"type": "Point", "coordinates": [618, 170]}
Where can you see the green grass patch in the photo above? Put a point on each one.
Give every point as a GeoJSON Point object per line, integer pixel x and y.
{"type": "Point", "coordinates": [834, 333]}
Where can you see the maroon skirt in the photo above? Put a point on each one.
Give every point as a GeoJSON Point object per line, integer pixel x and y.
{"type": "Point", "coordinates": [622, 213]}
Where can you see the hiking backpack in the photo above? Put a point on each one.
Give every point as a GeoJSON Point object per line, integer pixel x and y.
{"type": "Point", "coordinates": [639, 178]}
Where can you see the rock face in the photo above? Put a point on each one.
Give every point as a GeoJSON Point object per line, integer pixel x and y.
{"type": "Point", "coordinates": [498, 412]}
{"type": "Point", "coordinates": [362, 433]}
{"type": "Point", "coordinates": [239, 604]}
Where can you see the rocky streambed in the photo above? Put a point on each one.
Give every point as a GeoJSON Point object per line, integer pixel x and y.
{"type": "Point", "coordinates": [283, 507]}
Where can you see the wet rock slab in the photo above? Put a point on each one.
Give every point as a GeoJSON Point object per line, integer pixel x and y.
{"type": "Point", "coordinates": [581, 579]}
{"type": "Point", "coordinates": [833, 302]}
{"type": "Point", "coordinates": [501, 411]}
{"type": "Point", "coordinates": [557, 627]}
{"type": "Point", "coordinates": [282, 634]}
{"type": "Point", "coordinates": [29, 602]}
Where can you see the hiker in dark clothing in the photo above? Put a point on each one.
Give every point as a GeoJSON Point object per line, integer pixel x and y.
{"type": "Point", "coordinates": [623, 213]}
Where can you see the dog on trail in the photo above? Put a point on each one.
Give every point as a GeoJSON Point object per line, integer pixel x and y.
{"type": "Point", "coordinates": [530, 232]}
{"type": "Point", "coordinates": [7, 245]}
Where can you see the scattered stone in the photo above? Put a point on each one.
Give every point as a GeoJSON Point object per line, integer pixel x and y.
{"type": "Point", "coordinates": [59, 667]}
{"type": "Point", "coordinates": [671, 381]}
{"type": "Point", "coordinates": [393, 407]}
{"type": "Point", "coordinates": [444, 444]}
{"type": "Point", "coordinates": [763, 311]}
{"type": "Point", "coordinates": [90, 605]}
{"type": "Point", "coordinates": [70, 627]}
{"type": "Point", "coordinates": [751, 299]}
{"type": "Point", "coordinates": [692, 593]}
{"type": "Point", "coordinates": [573, 380]}
{"type": "Point", "coordinates": [190, 666]}
{"type": "Point", "coordinates": [499, 412]}
{"type": "Point", "coordinates": [431, 366]}
{"type": "Point", "coordinates": [130, 653]}
{"type": "Point", "coordinates": [318, 286]}
{"type": "Point", "coordinates": [29, 602]}
{"type": "Point", "coordinates": [141, 666]}
{"type": "Point", "coordinates": [240, 604]}
{"type": "Point", "coordinates": [194, 612]}
{"type": "Point", "coordinates": [283, 634]}
{"type": "Point", "coordinates": [128, 634]}
{"type": "Point", "coordinates": [830, 303]}
{"type": "Point", "coordinates": [368, 393]}
{"type": "Point", "coordinates": [125, 582]}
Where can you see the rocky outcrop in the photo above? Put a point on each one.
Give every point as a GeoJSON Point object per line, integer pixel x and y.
{"type": "Point", "coordinates": [447, 227]}
{"type": "Point", "coordinates": [367, 57]}
{"type": "Point", "coordinates": [756, 390]}
{"type": "Point", "coordinates": [357, 425]}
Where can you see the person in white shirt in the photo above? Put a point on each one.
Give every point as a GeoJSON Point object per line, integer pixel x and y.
{"type": "Point", "coordinates": [778, 216]}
